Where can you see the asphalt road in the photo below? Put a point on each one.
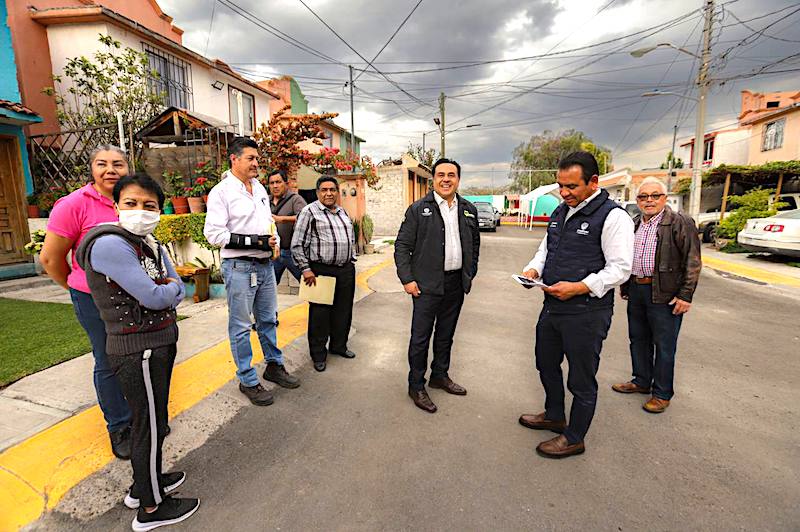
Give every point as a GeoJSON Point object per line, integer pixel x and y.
{"type": "Point", "coordinates": [349, 451]}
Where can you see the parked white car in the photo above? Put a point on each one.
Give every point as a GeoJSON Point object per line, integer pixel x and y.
{"type": "Point", "coordinates": [779, 234]}
{"type": "Point", "coordinates": [707, 224]}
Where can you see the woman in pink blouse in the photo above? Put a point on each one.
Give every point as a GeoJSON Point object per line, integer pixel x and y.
{"type": "Point", "coordinates": [71, 218]}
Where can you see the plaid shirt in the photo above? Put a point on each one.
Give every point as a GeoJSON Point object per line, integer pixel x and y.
{"type": "Point", "coordinates": [322, 235]}
{"type": "Point", "coordinates": [644, 247]}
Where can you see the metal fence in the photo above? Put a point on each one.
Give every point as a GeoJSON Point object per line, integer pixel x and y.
{"type": "Point", "coordinates": [60, 161]}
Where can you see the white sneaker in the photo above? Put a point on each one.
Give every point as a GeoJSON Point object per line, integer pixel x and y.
{"type": "Point", "coordinates": [170, 482]}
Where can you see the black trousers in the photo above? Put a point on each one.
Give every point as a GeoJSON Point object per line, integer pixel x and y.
{"type": "Point", "coordinates": [579, 337]}
{"type": "Point", "coordinates": [441, 311]}
{"type": "Point", "coordinates": [145, 379]}
{"type": "Point", "coordinates": [332, 322]}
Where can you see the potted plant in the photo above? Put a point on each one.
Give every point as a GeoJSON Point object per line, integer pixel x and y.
{"type": "Point", "coordinates": [367, 226]}
{"type": "Point", "coordinates": [177, 187]}
{"type": "Point", "coordinates": [46, 200]}
{"type": "Point", "coordinates": [33, 208]}
{"type": "Point", "coordinates": [37, 241]}
{"type": "Point", "coordinates": [210, 175]}
{"type": "Point", "coordinates": [195, 195]}
{"type": "Point", "coordinates": [168, 208]}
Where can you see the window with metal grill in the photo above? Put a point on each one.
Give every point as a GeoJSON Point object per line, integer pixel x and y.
{"type": "Point", "coordinates": [174, 79]}
{"type": "Point", "coordinates": [772, 136]}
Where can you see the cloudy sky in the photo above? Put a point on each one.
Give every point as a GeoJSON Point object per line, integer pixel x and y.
{"type": "Point", "coordinates": [596, 89]}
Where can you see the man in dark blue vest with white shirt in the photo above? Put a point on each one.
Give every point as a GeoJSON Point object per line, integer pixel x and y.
{"type": "Point", "coordinates": [587, 251]}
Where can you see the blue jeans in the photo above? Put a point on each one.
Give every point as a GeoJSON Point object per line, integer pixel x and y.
{"type": "Point", "coordinates": [283, 263]}
{"type": "Point", "coordinates": [109, 393]}
{"type": "Point", "coordinates": [246, 297]}
{"type": "Point", "coordinates": [653, 331]}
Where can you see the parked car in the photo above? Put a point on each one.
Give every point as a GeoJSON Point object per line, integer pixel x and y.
{"type": "Point", "coordinates": [630, 207]}
{"type": "Point", "coordinates": [486, 216]}
{"type": "Point", "coordinates": [707, 224]}
{"type": "Point", "coordinates": [779, 234]}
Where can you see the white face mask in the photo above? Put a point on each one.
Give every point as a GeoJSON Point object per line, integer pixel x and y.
{"type": "Point", "coordinates": [139, 222]}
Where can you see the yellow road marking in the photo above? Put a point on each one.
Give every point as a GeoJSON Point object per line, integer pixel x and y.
{"type": "Point", "coordinates": [751, 272]}
{"type": "Point", "coordinates": [36, 473]}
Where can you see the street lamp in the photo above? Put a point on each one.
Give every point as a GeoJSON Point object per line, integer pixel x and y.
{"type": "Point", "coordinates": [437, 122]}
{"type": "Point", "coordinates": [702, 84]}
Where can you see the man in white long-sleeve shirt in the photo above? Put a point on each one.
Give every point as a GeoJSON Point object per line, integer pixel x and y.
{"type": "Point", "coordinates": [239, 220]}
{"type": "Point", "coordinates": [586, 253]}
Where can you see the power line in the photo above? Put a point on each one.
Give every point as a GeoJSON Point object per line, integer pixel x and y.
{"type": "Point", "coordinates": [658, 29]}
{"type": "Point", "coordinates": [211, 24]}
{"type": "Point", "coordinates": [390, 39]}
{"type": "Point", "coordinates": [276, 32]}
{"type": "Point", "coordinates": [359, 55]}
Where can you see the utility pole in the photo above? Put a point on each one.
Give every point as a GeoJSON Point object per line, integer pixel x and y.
{"type": "Point", "coordinates": [671, 162]}
{"type": "Point", "coordinates": [352, 115]}
{"type": "Point", "coordinates": [699, 134]}
{"type": "Point", "coordinates": [441, 118]}
{"type": "Point", "coordinates": [423, 145]}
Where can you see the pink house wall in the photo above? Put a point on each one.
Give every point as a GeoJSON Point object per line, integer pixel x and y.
{"type": "Point", "coordinates": [32, 51]}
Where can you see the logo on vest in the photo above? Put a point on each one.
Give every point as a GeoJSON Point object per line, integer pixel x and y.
{"type": "Point", "coordinates": [553, 224]}
{"type": "Point", "coordinates": [584, 229]}
{"type": "Point", "coordinates": [426, 212]}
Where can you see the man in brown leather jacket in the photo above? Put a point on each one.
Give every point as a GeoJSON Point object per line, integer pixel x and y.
{"type": "Point", "coordinates": [666, 267]}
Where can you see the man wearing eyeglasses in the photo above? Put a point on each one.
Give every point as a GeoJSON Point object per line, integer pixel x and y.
{"type": "Point", "coordinates": [666, 267]}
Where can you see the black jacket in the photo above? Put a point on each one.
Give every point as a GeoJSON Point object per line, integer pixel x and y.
{"type": "Point", "coordinates": [419, 248]}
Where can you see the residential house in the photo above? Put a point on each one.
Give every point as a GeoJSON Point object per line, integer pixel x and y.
{"type": "Point", "coordinates": [46, 33]}
{"type": "Point", "coordinates": [291, 96]}
{"type": "Point", "coordinates": [775, 126]}
{"type": "Point", "coordinates": [15, 175]}
{"type": "Point", "coordinates": [622, 185]}
{"type": "Point", "coordinates": [402, 182]}
{"type": "Point", "coordinates": [759, 134]}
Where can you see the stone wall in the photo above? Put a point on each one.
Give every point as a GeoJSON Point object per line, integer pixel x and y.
{"type": "Point", "coordinates": [386, 206]}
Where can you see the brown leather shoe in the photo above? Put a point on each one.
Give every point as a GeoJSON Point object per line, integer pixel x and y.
{"type": "Point", "coordinates": [539, 422]}
{"type": "Point", "coordinates": [656, 405]}
{"type": "Point", "coordinates": [629, 387]}
{"type": "Point", "coordinates": [447, 385]}
{"type": "Point", "coordinates": [559, 447]}
{"type": "Point", "coordinates": [422, 400]}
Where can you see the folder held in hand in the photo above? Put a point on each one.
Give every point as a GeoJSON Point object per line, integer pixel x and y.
{"type": "Point", "coordinates": [321, 293]}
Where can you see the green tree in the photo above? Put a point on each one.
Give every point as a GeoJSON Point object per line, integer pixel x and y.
{"type": "Point", "coordinates": [91, 92]}
{"type": "Point", "coordinates": [677, 162]}
{"type": "Point", "coordinates": [753, 204]}
{"type": "Point", "coordinates": [426, 157]}
{"type": "Point", "coordinates": [534, 162]}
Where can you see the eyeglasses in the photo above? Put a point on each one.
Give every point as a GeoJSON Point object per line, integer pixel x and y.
{"type": "Point", "coordinates": [655, 197]}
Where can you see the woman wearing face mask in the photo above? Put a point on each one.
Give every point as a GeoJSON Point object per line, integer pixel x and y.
{"type": "Point", "coordinates": [72, 217]}
{"type": "Point", "coordinates": [136, 290]}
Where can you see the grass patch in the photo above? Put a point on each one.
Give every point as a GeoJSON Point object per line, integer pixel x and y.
{"type": "Point", "coordinates": [37, 336]}
{"type": "Point", "coordinates": [794, 264]}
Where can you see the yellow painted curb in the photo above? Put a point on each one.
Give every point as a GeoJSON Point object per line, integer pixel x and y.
{"type": "Point", "coordinates": [751, 272]}
{"type": "Point", "coordinates": [36, 473]}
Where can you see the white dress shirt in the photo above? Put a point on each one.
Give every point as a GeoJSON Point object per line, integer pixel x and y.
{"type": "Point", "coordinates": [452, 237]}
{"type": "Point", "coordinates": [232, 209]}
{"type": "Point", "coordinates": [616, 241]}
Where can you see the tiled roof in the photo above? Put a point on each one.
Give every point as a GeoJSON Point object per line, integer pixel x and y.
{"type": "Point", "coordinates": [16, 107]}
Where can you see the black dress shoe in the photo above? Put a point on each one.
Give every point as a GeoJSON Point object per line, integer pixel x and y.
{"type": "Point", "coordinates": [346, 354]}
{"type": "Point", "coordinates": [257, 394]}
{"type": "Point", "coordinates": [422, 400]}
{"type": "Point", "coordinates": [447, 385]}
{"type": "Point", "coordinates": [320, 366]}
{"type": "Point", "coordinates": [276, 373]}
{"type": "Point", "coordinates": [121, 443]}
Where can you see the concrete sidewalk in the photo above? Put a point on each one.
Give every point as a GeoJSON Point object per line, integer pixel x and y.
{"type": "Point", "coordinates": [51, 430]}
{"type": "Point", "coordinates": [761, 268]}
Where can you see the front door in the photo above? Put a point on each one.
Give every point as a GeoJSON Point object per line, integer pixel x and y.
{"type": "Point", "coordinates": [13, 221]}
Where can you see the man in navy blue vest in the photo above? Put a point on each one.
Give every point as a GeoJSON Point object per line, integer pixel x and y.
{"type": "Point", "coordinates": [587, 251]}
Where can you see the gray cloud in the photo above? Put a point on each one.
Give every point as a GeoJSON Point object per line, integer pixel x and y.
{"type": "Point", "coordinates": [603, 104]}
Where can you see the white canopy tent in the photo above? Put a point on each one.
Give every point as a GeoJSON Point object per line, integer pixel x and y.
{"type": "Point", "coordinates": [527, 202]}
